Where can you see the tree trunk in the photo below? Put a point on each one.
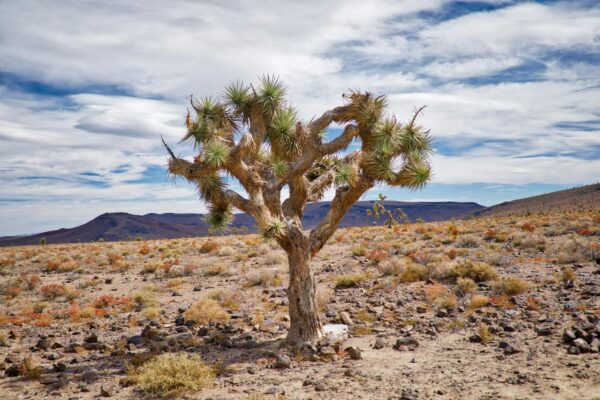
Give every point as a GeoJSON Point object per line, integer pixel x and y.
{"type": "Point", "coordinates": [305, 323]}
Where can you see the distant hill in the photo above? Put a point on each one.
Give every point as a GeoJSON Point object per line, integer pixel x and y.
{"type": "Point", "coordinates": [586, 197]}
{"type": "Point", "coordinates": [121, 226]}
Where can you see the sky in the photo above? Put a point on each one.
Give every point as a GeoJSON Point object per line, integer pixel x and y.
{"type": "Point", "coordinates": [512, 91]}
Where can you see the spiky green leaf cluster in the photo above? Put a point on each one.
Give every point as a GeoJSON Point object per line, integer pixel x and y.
{"type": "Point", "coordinates": [279, 167]}
{"type": "Point", "coordinates": [216, 153]}
{"type": "Point", "coordinates": [219, 217]}
{"type": "Point", "coordinates": [346, 174]}
{"type": "Point", "coordinates": [282, 132]}
{"type": "Point", "coordinates": [270, 95]}
{"type": "Point", "coordinates": [274, 228]}
{"type": "Point", "coordinates": [209, 186]}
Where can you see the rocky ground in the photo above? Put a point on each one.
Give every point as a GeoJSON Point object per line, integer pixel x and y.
{"type": "Point", "coordinates": [496, 308]}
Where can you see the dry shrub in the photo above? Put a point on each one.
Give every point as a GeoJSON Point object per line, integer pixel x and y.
{"type": "Point", "coordinates": [391, 267]}
{"type": "Point", "coordinates": [413, 273]}
{"type": "Point", "coordinates": [359, 251]}
{"type": "Point", "coordinates": [477, 271]}
{"type": "Point", "coordinates": [511, 286]}
{"type": "Point", "coordinates": [484, 333]}
{"type": "Point", "coordinates": [172, 375]}
{"type": "Point", "coordinates": [53, 291]}
{"type": "Point", "coordinates": [349, 280]}
{"type": "Point", "coordinates": [217, 269]}
{"type": "Point", "coordinates": [209, 246]}
{"type": "Point", "coordinates": [206, 311]}
{"type": "Point", "coordinates": [226, 251]}
{"type": "Point", "coordinates": [479, 301]}
{"type": "Point", "coordinates": [227, 298]}
{"type": "Point", "coordinates": [435, 291]}
{"type": "Point", "coordinates": [447, 301]}
{"type": "Point", "coordinates": [146, 297]}
{"type": "Point", "coordinates": [467, 241]}
{"type": "Point", "coordinates": [377, 256]}
{"type": "Point", "coordinates": [323, 297]}
{"type": "Point", "coordinates": [465, 286]}
{"type": "Point", "coordinates": [265, 277]}
{"type": "Point", "coordinates": [144, 249]}
{"type": "Point", "coordinates": [275, 258]}
{"type": "Point", "coordinates": [567, 274]}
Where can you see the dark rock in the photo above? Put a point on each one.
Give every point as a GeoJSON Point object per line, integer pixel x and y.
{"type": "Point", "coordinates": [409, 394]}
{"type": "Point", "coordinates": [354, 353]}
{"type": "Point", "coordinates": [180, 320]}
{"type": "Point", "coordinates": [135, 340]}
{"type": "Point", "coordinates": [93, 338]}
{"type": "Point", "coordinates": [409, 343]}
{"type": "Point", "coordinates": [442, 313]}
{"type": "Point", "coordinates": [59, 367]}
{"type": "Point", "coordinates": [569, 336]}
{"type": "Point", "coordinates": [421, 309]}
{"type": "Point", "coordinates": [12, 371]}
{"type": "Point", "coordinates": [543, 330]}
{"type": "Point", "coordinates": [509, 350]}
{"type": "Point", "coordinates": [379, 344]}
{"type": "Point", "coordinates": [43, 344]}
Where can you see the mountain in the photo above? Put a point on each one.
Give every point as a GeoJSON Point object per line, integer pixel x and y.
{"type": "Point", "coordinates": [122, 226]}
{"type": "Point", "coordinates": [584, 197]}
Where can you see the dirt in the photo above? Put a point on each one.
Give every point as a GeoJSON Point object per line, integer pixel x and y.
{"type": "Point", "coordinates": [523, 355]}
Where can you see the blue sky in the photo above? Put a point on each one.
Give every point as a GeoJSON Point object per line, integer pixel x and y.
{"type": "Point", "coordinates": [87, 88]}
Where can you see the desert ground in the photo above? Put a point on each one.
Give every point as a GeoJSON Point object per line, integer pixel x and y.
{"type": "Point", "coordinates": [487, 308]}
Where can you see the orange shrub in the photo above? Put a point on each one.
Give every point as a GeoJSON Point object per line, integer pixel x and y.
{"type": "Point", "coordinates": [377, 256]}
{"type": "Point", "coordinates": [528, 227]}
{"type": "Point", "coordinates": [144, 249]}
{"type": "Point", "coordinates": [53, 290]}
{"type": "Point", "coordinates": [209, 246]}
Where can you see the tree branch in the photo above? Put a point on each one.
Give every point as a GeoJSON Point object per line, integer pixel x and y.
{"type": "Point", "coordinates": [345, 197]}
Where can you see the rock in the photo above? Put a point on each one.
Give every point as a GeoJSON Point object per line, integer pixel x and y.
{"type": "Point", "coordinates": [421, 309]}
{"type": "Point", "coordinates": [52, 356]}
{"type": "Point", "coordinates": [569, 284]}
{"type": "Point", "coordinates": [331, 313]}
{"type": "Point", "coordinates": [354, 353]}
{"type": "Point", "coordinates": [442, 313]}
{"type": "Point", "coordinates": [510, 350]}
{"type": "Point", "coordinates": [404, 344]}
{"type": "Point", "coordinates": [12, 371]}
{"type": "Point", "coordinates": [595, 345]}
{"type": "Point", "coordinates": [320, 387]}
{"type": "Point", "coordinates": [135, 340]}
{"type": "Point", "coordinates": [43, 344]}
{"type": "Point", "coordinates": [475, 338]}
{"type": "Point", "coordinates": [582, 345]}
{"type": "Point", "coordinates": [283, 361]}
{"type": "Point", "coordinates": [346, 318]}
{"type": "Point", "coordinates": [180, 320]}
{"type": "Point", "coordinates": [59, 367]}
{"type": "Point", "coordinates": [90, 375]}
{"type": "Point", "coordinates": [272, 390]}
{"type": "Point", "coordinates": [105, 392]}
{"type": "Point", "coordinates": [569, 336]}
{"type": "Point", "coordinates": [543, 330]}
{"type": "Point", "coordinates": [379, 344]}
{"type": "Point", "coordinates": [409, 394]}
{"type": "Point", "coordinates": [93, 338]}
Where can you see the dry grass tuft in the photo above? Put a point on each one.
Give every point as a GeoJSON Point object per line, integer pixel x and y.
{"type": "Point", "coordinates": [511, 285]}
{"type": "Point", "coordinates": [349, 280]}
{"type": "Point", "coordinates": [479, 301]}
{"type": "Point", "coordinates": [206, 311]}
{"type": "Point", "coordinates": [265, 277]}
{"type": "Point", "coordinates": [172, 375]}
{"type": "Point", "coordinates": [477, 271]}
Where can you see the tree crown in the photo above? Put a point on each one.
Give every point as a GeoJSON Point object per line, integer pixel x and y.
{"type": "Point", "coordinates": [254, 135]}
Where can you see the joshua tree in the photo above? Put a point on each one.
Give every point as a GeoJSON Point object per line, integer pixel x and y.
{"type": "Point", "coordinates": [253, 135]}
